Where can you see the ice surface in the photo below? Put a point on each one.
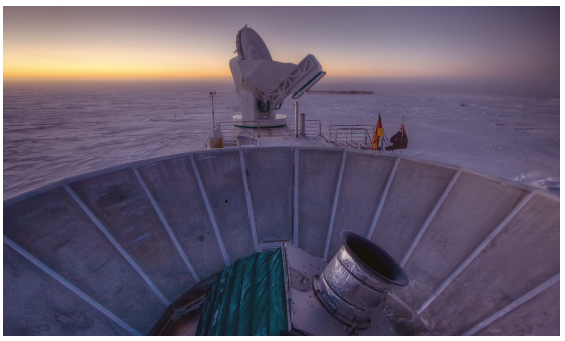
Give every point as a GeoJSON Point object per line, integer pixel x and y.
{"type": "Point", "coordinates": [53, 132]}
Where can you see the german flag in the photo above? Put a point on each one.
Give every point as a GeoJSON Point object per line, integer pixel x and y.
{"type": "Point", "coordinates": [379, 132]}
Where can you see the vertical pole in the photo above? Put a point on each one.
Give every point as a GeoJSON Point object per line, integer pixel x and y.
{"type": "Point", "coordinates": [296, 119]}
{"type": "Point", "coordinates": [212, 93]}
{"type": "Point", "coordinates": [302, 125]}
{"type": "Point", "coordinates": [213, 119]}
{"type": "Point", "coordinates": [402, 132]}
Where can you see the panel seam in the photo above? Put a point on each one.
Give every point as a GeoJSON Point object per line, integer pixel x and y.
{"type": "Point", "coordinates": [166, 225]}
{"type": "Point", "coordinates": [117, 245]}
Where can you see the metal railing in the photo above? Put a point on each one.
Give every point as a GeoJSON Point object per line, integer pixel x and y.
{"type": "Point", "coordinates": [340, 135]}
{"type": "Point", "coordinates": [312, 128]}
{"type": "Point", "coordinates": [251, 129]}
{"type": "Point", "coordinates": [351, 135]}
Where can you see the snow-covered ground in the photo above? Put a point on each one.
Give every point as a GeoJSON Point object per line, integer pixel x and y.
{"type": "Point", "coordinates": [53, 132]}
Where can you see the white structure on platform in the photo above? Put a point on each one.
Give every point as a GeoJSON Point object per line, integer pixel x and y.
{"type": "Point", "coordinates": [262, 84]}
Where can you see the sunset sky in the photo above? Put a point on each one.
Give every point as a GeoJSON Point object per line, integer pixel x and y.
{"type": "Point", "coordinates": [182, 42]}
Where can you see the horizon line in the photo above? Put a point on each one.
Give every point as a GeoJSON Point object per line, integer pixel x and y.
{"type": "Point", "coordinates": [229, 78]}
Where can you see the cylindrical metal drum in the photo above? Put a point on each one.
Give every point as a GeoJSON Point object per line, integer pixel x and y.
{"type": "Point", "coordinates": [357, 279]}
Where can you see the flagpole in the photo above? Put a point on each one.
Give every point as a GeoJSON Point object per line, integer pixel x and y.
{"type": "Point", "coordinates": [402, 133]}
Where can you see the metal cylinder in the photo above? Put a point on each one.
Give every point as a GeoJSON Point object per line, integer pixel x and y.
{"type": "Point", "coordinates": [357, 280]}
{"type": "Point", "coordinates": [302, 125]}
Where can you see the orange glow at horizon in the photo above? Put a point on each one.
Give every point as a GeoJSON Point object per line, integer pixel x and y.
{"type": "Point", "coordinates": [107, 72]}
{"type": "Point", "coordinates": [112, 60]}
{"type": "Point", "coordinates": [128, 65]}
{"type": "Point", "coordinates": [361, 42]}
{"type": "Point", "coordinates": [26, 67]}
{"type": "Point", "coordinates": [116, 63]}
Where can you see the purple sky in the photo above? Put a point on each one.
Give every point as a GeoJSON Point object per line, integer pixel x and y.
{"type": "Point", "coordinates": [493, 43]}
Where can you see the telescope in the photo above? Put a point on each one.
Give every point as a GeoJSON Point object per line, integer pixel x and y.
{"type": "Point", "coordinates": [262, 84]}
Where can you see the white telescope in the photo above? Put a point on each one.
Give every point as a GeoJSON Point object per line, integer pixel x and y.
{"type": "Point", "coordinates": [262, 84]}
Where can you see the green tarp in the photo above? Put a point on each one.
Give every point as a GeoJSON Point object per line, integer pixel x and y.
{"type": "Point", "coordinates": [248, 299]}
